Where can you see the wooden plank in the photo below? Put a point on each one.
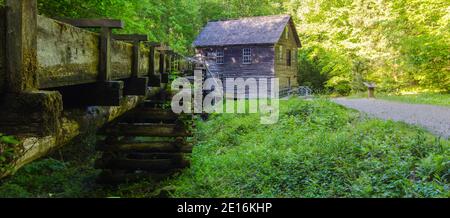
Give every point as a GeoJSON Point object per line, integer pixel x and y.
{"type": "Point", "coordinates": [165, 78]}
{"type": "Point", "coordinates": [34, 112]}
{"type": "Point", "coordinates": [105, 55]}
{"type": "Point", "coordinates": [148, 115]}
{"type": "Point", "coordinates": [66, 55]}
{"type": "Point", "coordinates": [154, 80]}
{"type": "Point", "coordinates": [130, 37]}
{"type": "Point", "coordinates": [2, 48]}
{"type": "Point", "coordinates": [70, 56]}
{"type": "Point", "coordinates": [136, 86]}
{"type": "Point", "coordinates": [93, 23]}
{"type": "Point", "coordinates": [135, 39]}
{"type": "Point", "coordinates": [152, 44]}
{"type": "Point", "coordinates": [177, 156]}
{"type": "Point", "coordinates": [155, 146]}
{"type": "Point", "coordinates": [114, 177]}
{"type": "Point", "coordinates": [155, 165]}
{"type": "Point", "coordinates": [21, 46]}
{"type": "Point", "coordinates": [146, 129]}
{"type": "Point", "coordinates": [94, 94]}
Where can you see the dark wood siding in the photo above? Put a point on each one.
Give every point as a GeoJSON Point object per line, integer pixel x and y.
{"type": "Point", "coordinates": [262, 61]}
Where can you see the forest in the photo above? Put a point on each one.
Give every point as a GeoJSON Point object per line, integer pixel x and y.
{"type": "Point", "coordinates": [401, 45]}
{"type": "Point", "coordinates": [318, 148]}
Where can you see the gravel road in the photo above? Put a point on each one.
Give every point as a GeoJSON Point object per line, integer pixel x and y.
{"type": "Point", "coordinates": [434, 118]}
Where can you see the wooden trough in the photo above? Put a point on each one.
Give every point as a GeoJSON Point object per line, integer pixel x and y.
{"type": "Point", "coordinates": [57, 80]}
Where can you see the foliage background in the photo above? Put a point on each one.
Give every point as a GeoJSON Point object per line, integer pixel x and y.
{"type": "Point", "coordinates": [399, 44]}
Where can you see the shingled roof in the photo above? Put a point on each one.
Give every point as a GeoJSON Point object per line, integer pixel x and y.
{"type": "Point", "coordinates": [251, 30]}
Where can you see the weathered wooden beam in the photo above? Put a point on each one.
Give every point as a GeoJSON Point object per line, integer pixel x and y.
{"type": "Point", "coordinates": [153, 103]}
{"type": "Point", "coordinates": [94, 94]}
{"type": "Point", "coordinates": [2, 48]}
{"type": "Point", "coordinates": [21, 46]}
{"type": "Point", "coordinates": [106, 26]}
{"type": "Point", "coordinates": [152, 44]}
{"type": "Point", "coordinates": [156, 155]}
{"type": "Point", "coordinates": [148, 115]}
{"type": "Point", "coordinates": [165, 78]}
{"type": "Point", "coordinates": [105, 55]}
{"type": "Point", "coordinates": [155, 165]}
{"type": "Point", "coordinates": [36, 112]}
{"type": "Point", "coordinates": [147, 129]}
{"type": "Point", "coordinates": [162, 63]}
{"type": "Point", "coordinates": [93, 23]}
{"type": "Point", "coordinates": [136, 40]}
{"type": "Point", "coordinates": [136, 86]}
{"type": "Point", "coordinates": [130, 37]}
{"type": "Point", "coordinates": [154, 80]}
{"type": "Point", "coordinates": [113, 177]}
{"type": "Point", "coordinates": [151, 146]}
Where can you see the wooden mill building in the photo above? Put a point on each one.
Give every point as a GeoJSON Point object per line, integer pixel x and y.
{"type": "Point", "coordinates": [252, 47]}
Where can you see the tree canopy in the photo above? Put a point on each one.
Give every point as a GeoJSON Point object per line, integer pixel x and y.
{"type": "Point", "coordinates": [399, 44]}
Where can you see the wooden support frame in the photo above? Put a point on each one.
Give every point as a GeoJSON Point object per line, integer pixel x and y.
{"type": "Point", "coordinates": [24, 109]}
{"type": "Point", "coordinates": [154, 80]}
{"type": "Point", "coordinates": [134, 85]}
{"type": "Point", "coordinates": [106, 26]}
{"type": "Point", "coordinates": [93, 23]}
{"type": "Point", "coordinates": [2, 48]}
{"type": "Point", "coordinates": [21, 46]}
{"type": "Point", "coordinates": [136, 40]}
{"type": "Point", "coordinates": [108, 93]}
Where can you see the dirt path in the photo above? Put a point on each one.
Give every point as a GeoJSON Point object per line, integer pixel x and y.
{"type": "Point", "coordinates": [434, 118]}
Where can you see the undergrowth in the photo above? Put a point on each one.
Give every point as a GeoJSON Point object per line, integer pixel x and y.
{"type": "Point", "coordinates": [317, 149]}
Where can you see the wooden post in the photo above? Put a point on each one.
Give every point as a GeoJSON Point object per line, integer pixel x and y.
{"type": "Point", "coordinates": [136, 40]}
{"type": "Point", "coordinates": [21, 46]}
{"type": "Point", "coordinates": [371, 89]}
{"type": "Point", "coordinates": [134, 85]}
{"type": "Point", "coordinates": [2, 48]}
{"type": "Point", "coordinates": [371, 92]}
{"type": "Point", "coordinates": [24, 109]}
{"type": "Point", "coordinates": [154, 81]}
{"type": "Point", "coordinates": [105, 55]}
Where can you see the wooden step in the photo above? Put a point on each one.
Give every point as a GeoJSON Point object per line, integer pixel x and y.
{"type": "Point", "coordinates": [156, 155]}
{"type": "Point", "coordinates": [149, 115]}
{"type": "Point", "coordinates": [147, 129]}
{"type": "Point", "coordinates": [156, 146]}
{"type": "Point", "coordinates": [154, 165]}
{"type": "Point", "coordinates": [154, 103]}
{"type": "Point", "coordinates": [113, 177]}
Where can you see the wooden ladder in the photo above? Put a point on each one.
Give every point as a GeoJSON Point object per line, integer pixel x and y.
{"type": "Point", "coordinates": [147, 142]}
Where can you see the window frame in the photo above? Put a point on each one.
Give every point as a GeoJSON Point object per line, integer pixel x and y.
{"type": "Point", "coordinates": [247, 56]}
{"type": "Point", "coordinates": [288, 57]}
{"type": "Point", "coordinates": [286, 32]}
{"type": "Point", "coordinates": [280, 53]}
{"type": "Point", "coordinates": [220, 59]}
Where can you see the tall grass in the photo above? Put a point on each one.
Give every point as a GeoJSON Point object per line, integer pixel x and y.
{"type": "Point", "coordinates": [318, 149]}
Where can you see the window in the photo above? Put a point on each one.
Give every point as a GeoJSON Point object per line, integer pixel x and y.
{"type": "Point", "coordinates": [219, 57]}
{"type": "Point", "coordinates": [246, 56]}
{"type": "Point", "coordinates": [280, 53]}
{"type": "Point", "coordinates": [288, 57]}
{"type": "Point", "coordinates": [286, 32]}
